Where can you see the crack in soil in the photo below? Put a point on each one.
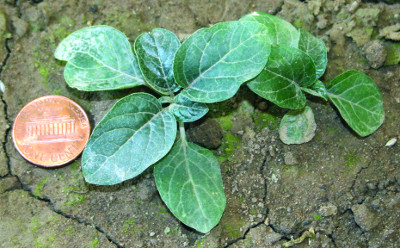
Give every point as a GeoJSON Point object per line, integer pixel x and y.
{"type": "Point", "coordinates": [256, 225]}
{"type": "Point", "coordinates": [7, 131]}
{"type": "Point", "coordinates": [22, 185]}
{"type": "Point", "coordinates": [18, 7]}
{"type": "Point", "coordinates": [380, 1]}
{"type": "Point", "coordinates": [13, 188]}
{"type": "Point", "coordinates": [265, 219]}
{"type": "Point", "coordinates": [35, 1]}
{"type": "Point", "coordinates": [354, 220]}
{"type": "Point", "coordinates": [330, 236]}
{"type": "Point", "coordinates": [244, 235]}
{"type": "Point", "coordinates": [374, 156]}
{"type": "Point", "coordinates": [50, 204]}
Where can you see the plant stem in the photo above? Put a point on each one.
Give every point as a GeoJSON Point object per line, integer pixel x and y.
{"type": "Point", "coordinates": [166, 99]}
{"type": "Point", "coordinates": [182, 131]}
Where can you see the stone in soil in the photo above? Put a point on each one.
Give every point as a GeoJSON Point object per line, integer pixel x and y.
{"type": "Point", "coordinates": [206, 133]}
{"type": "Point", "coordinates": [375, 53]}
{"type": "Point", "coordinates": [364, 217]}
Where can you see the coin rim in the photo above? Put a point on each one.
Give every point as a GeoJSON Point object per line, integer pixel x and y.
{"type": "Point", "coordinates": [57, 164]}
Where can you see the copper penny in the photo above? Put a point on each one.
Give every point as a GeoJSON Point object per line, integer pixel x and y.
{"type": "Point", "coordinates": [51, 131]}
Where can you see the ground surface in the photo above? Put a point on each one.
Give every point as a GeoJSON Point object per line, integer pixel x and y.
{"type": "Point", "coordinates": [344, 187]}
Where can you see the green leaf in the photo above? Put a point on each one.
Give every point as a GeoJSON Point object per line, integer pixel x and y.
{"type": "Point", "coordinates": [189, 181]}
{"type": "Point", "coordinates": [358, 100]}
{"type": "Point", "coordinates": [288, 69]}
{"type": "Point", "coordinates": [280, 32]}
{"type": "Point", "coordinates": [186, 110]}
{"type": "Point", "coordinates": [213, 62]}
{"type": "Point", "coordinates": [316, 49]}
{"type": "Point", "coordinates": [135, 134]}
{"type": "Point", "coordinates": [156, 52]}
{"type": "Point", "coordinates": [297, 126]}
{"type": "Point", "coordinates": [99, 58]}
{"type": "Point", "coordinates": [317, 89]}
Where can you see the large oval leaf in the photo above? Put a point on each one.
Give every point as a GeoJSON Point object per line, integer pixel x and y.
{"type": "Point", "coordinates": [297, 126]}
{"type": "Point", "coordinates": [156, 52]}
{"type": "Point", "coordinates": [280, 32]}
{"type": "Point", "coordinates": [213, 62]}
{"type": "Point", "coordinates": [186, 110]}
{"type": "Point", "coordinates": [135, 134]}
{"type": "Point", "coordinates": [99, 58]}
{"type": "Point", "coordinates": [189, 181]}
{"type": "Point", "coordinates": [288, 69]}
{"type": "Point", "coordinates": [316, 49]}
{"type": "Point", "coordinates": [358, 100]}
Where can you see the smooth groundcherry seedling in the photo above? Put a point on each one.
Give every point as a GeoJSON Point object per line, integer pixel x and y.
{"type": "Point", "coordinates": [275, 60]}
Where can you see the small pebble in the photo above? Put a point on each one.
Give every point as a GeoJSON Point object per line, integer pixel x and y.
{"type": "Point", "coordinates": [289, 158]}
{"type": "Point", "coordinates": [328, 210]}
{"type": "Point", "coordinates": [2, 87]}
{"type": "Point", "coordinates": [371, 185]}
{"type": "Point", "coordinates": [152, 234]}
{"type": "Point", "coordinates": [262, 105]}
{"type": "Point", "coordinates": [375, 53]}
{"type": "Point", "coordinates": [323, 187]}
{"type": "Point", "coordinates": [93, 8]}
{"type": "Point", "coordinates": [324, 199]}
{"type": "Point", "coordinates": [391, 142]}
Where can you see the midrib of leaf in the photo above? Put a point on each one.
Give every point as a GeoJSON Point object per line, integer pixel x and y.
{"type": "Point", "coordinates": [131, 64]}
{"type": "Point", "coordinates": [276, 29]}
{"type": "Point", "coordinates": [127, 140]}
{"type": "Point", "coordinates": [356, 115]}
{"type": "Point", "coordinates": [105, 65]}
{"type": "Point", "coordinates": [341, 98]}
{"type": "Point", "coordinates": [352, 103]}
{"type": "Point", "coordinates": [281, 76]}
{"type": "Point", "coordinates": [307, 45]}
{"type": "Point", "coordinates": [112, 47]}
{"type": "Point", "coordinates": [222, 58]}
{"type": "Point", "coordinates": [186, 107]}
{"type": "Point", "coordinates": [191, 179]}
{"type": "Point", "coordinates": [162, 67]}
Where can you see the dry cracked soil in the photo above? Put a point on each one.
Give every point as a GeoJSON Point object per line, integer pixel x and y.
{"type": "Point", "coordinates": [343, 189]}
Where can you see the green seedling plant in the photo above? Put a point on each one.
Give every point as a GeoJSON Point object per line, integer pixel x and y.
{"type": "Point", "coordinates": [275, 60]}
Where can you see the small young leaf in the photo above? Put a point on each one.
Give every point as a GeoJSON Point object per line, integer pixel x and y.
{"type": "Point", "coordinates": [316, 49]}
{"type": "Point", "coordinates": [317, 89]}
{"type": "Point", "coordinates": [135, 134]}
{"type": "Point", "coordinates": [288, 69]}
{"type": "Point", "coordinates": [358, 100]}
{"type": "Point", "coordinates": [186, 110]}
{"type": "Point", "coordinates": [297, 126]}
{"type": "Point", "coordinates": [213, 62]}
{"type": "Point", "coordinates": [99, 58]}
{"type": "Point", "coordinates": [189, 181]}
{"type": "Point", "coordinates": [280, 32]}
{"type": "Point", "coordinates": [156, 52]}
